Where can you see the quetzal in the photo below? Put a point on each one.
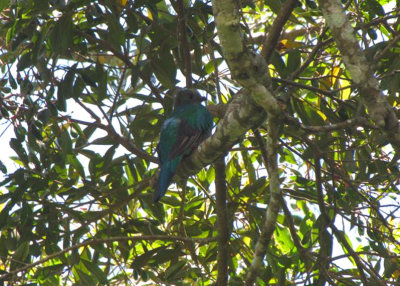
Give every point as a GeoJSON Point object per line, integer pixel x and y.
{"type": "Point", "coordinates": [181, 133]}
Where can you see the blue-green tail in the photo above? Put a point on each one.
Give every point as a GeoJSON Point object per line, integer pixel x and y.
{"type": "Point", "coordinates": [165, 177]}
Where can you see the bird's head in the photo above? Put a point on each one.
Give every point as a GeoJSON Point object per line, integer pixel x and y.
{"type": "Point", "coordinates": [187, 96]}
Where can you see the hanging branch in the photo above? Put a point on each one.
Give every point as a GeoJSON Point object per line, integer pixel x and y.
{"type": "Point", "coordinates": [222, 222]}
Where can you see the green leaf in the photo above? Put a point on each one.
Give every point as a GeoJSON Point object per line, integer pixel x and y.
{"type": "Point", "coordinates": [62, 34]}
{"type": "Point", "coordinates": [373, 7]}
{"type": "Point", "coordinates": [17, 147]}
{"type": "Point", "coordinates": [101, 78]}
{"type": "Point", "coordinates": [164, 68]}
{"type": "Point", "coordinates": [116, 32]}
{"type": "Point", "coordinates": [165, 254]}
{"type": "Point", "coordinates": [253, 188]}
{"type": "Point", "coordinates": [274, 5]}
{"type": "Point", "coordinates": [174, 269]}
{"type": "Point", "coordinates": [65, 142]}
{"type": "Point", "coordinates": [107, 140]}
{"type": "Point", "coordinates": [96, 271]}
{"type": "Point", "coordinates": [210, 66]}
{"type": "Point", "coordinates": [83, 278]}
{"type": "Point", "coordinates": [142, 260]}
{"type": "Point", "coordinates": [193, 205]}
{"type": "Point", "coordinates": [279, 64]}
{"type": "Point", "coordinates": [294, 61]}
{"type": "Point", "coordinates": [25, 61]}
{"type": "Point", "coordinates": [172, 201]}
{"type": "Point", "coordinates": [78, 88]}
{"type": "Point", "coordinates": [21, 253]}
{"type": "Point", "coordinates": [4, 4]}
{"type": "Point", "coordinates": [71, 159]}
{"type": "Point", "coordinates": [65, 88]}
{"type": "Point", "coordinates": [3, 168]}
{"type": "Point", "coordinates": [284, 239]}
{"type": "Point", "coordinates": [85, 136]}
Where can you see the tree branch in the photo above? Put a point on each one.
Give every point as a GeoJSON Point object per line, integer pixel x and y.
{"type": "Point", "coordinates": [304, 254]}
{"type": "Point", "coordinates": [222, 222]}
{"type": "Point", "coordinates": [360, 70]}
{"type": "Point", "coordinates": [276, 28]}
{"type": "Point", "coordinates": [271, 213]}
{"type": "Point", "coordinates": [353, 122]}
{"type": "Point", "coordinates": [248, 69]}
{"type": "Point", "coordinates": [242, 113]}
{"type": "Point", "coordinates": [324, 238]}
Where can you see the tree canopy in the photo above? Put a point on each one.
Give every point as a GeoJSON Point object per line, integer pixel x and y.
{"type": "Point", "coordinates": [298, 184]}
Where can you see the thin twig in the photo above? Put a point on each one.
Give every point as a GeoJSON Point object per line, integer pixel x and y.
{"type": "Point", "coordinates": [353, 122]}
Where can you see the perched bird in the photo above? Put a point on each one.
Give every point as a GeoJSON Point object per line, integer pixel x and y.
{"type": "Point", "coordinates": [189, 124]}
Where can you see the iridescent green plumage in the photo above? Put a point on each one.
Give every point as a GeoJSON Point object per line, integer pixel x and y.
{"type": "Point", "coordinates": [181, 133]}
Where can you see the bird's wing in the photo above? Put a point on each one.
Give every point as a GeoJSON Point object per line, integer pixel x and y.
{"type": "Point", "coordinates": [188, 138]}
{"type": "Point", "coordinates": [168, 138]}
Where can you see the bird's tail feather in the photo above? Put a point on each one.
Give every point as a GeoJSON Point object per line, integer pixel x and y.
{"type": "Point", "coordinates": [164, 180]}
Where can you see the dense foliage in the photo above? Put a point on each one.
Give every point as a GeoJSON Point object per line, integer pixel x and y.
{"type": "Point", "coordinates": [86, 85]}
